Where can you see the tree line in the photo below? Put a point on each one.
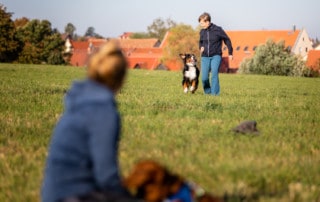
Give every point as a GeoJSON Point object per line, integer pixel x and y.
{"type": "Point", "coordinates": [36, 42]}
{"type": "Point", "coordinates": [29, 41]}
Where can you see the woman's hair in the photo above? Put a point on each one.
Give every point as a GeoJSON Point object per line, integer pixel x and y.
{"type": "Point", "coordinates": [205, 16]}
{"type": "Point", "coordinates": [108, 65]}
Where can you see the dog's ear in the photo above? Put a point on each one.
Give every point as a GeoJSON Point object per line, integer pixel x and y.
{"type": "Point", "coordinates": [183, 56]}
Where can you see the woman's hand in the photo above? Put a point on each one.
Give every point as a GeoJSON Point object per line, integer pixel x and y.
{"type": "Point", "coordinates": [201, 49]}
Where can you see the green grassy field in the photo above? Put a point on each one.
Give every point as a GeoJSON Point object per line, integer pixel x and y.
{"type": "Point", "coordinates": [189, 133]}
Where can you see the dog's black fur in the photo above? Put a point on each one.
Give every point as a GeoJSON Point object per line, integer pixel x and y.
{"type": "Point", "coordinates": [190, 73]}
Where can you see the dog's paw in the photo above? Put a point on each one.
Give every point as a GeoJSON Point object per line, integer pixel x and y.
{"type": "Point", "coordinates": [192, 88]}
{"type": "Point", "coordinates": [185, 90]}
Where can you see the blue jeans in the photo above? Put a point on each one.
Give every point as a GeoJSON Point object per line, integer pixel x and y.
{"type": "Point", "coordinates": [210, 64]}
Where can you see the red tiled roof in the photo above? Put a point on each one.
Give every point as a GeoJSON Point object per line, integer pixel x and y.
{"type": "Point", "coordinates": [79, 58]}
{"type": "Point", "coordinates": [313, 58]}
{"type": "Point", "coordinates": [138, 43]}
{"type": "Point", "coordinates": [80, 45]}
{"type": "Point", "coordinates": [255, 38]}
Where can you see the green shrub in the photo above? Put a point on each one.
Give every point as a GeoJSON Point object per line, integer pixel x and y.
{"type": "Point", "coordinates": [273, 59]}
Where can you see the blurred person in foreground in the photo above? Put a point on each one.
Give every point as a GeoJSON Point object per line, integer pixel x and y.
{"type": "Point", "coordinates": [82, 163]}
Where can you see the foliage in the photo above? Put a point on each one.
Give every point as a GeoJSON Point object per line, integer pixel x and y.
{"type": "Point", "coordinates": [21, 22]}
{"type": "Point", "coordinates": [140, 35]}
{"type": "Point", "coordinates": [91, 33]}
{"type": "Point", "coordinates": [182, 39]}
{"type": "Point", "coordinates": [189, 133]}
{"type": "Point", "coordinates": [70, 29]}
{"type": "Point", "coordinates": [315, 42]}
{"type": "Point", "coordinates": [41, 43]}
{"type": "Point", "coordinates": [273, 59]}
{"type": "Point", "coordinates": [159, 28]}
{"type": "Point", "coordinates": [8, 43]}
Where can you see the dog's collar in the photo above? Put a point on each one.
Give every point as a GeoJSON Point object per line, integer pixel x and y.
{"type": "Point", "coordinates": [183, 194]}
{"type": "Point", "coordinates": [189, 190]}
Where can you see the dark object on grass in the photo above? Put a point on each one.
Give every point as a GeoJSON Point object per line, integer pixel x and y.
{"type": "Point", "coordinates": [246, 127]}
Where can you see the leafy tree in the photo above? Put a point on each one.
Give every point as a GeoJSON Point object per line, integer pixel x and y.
{"type": "Point", "coordinates": [70, 29]}
{"type": "Point", "coordinates": [52, 51]}
{"type": "Point", "coordinates": [182, 39]}
{"type": "Point", "coordinates": [40, 43]}
{"type": "Point", "coordinates": [90, 32]}
{"type": "Point", "coordinates": [8, 42]}
{"type": "Point", "coordinates": [140, 35]}
{"type": "Point", "coordinates": [21, 22]}
{"type": "Point", "coordinates": [159, 28]}
{"type": "Point", "coordinates": [273, 59]}
{"type": "Point", "coordinates": [316, 42]}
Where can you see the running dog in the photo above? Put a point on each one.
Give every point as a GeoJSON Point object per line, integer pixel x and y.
{"type": "Point", "coordinates": [190, 73]}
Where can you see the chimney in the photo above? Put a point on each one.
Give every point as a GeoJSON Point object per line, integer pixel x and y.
{"type": "Point", "coordinates": [294, 28]}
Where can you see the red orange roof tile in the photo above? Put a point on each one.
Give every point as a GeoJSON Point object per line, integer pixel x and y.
{"type": "Point", "coordinates": [313, 59]}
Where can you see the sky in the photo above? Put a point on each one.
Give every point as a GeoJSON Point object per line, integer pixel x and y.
{"type": "Point", "coordinates": [113, 18]}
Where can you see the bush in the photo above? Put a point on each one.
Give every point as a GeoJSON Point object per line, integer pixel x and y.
{"type": "Point", "coordinates": [274, 59]}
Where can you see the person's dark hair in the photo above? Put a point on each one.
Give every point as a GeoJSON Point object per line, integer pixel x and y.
{"type": "Point", "coordinates": [205, 16]}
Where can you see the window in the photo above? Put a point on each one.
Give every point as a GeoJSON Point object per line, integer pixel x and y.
{"type": "Point", "coordinates": [238, 48]}
{"type": "Point", "coordinates": [246, 48]}
{"type": "Point", "coordinates": [254, 48]}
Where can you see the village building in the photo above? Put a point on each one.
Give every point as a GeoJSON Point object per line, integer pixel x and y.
{"type": "Point", "coordinates": [148, 53]}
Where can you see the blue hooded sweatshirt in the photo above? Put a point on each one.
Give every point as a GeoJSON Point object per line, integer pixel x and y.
{"type": "Point", "coordinates": [84, 147]}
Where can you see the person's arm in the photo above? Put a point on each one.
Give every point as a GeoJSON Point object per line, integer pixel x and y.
{"type": "Point", "coordinates": [227, 41]}
{"type": "Point", "coordinates": [104, 129]}
{"type": "Point", "coordinates": [201, 42]}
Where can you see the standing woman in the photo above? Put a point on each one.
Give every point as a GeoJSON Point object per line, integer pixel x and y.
{"type": "Point", "coordinates": [210, 44]}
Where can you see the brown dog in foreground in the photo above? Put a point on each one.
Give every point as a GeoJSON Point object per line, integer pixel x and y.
{"type": "Point", "coordinates": [153, 182]}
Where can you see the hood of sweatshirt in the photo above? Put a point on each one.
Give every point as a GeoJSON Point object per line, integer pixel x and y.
{"type": "Point", "coordinates": [86, 91]}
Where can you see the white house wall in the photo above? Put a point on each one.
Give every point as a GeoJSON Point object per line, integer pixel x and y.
{"type": "Point", "coordinates": [303, 44]}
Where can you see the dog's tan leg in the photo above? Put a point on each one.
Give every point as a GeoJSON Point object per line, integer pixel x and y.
{"type": "Point", "coordinates": [185, 87]}
{"type": "Point", "coordinates": [193, 87]}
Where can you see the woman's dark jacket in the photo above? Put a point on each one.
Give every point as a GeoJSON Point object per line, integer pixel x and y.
{"type": "Point", "coordinates": [211, 39]}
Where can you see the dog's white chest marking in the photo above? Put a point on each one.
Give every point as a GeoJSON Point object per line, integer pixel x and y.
{"type": "Point", "coordinates": [191, 73]}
